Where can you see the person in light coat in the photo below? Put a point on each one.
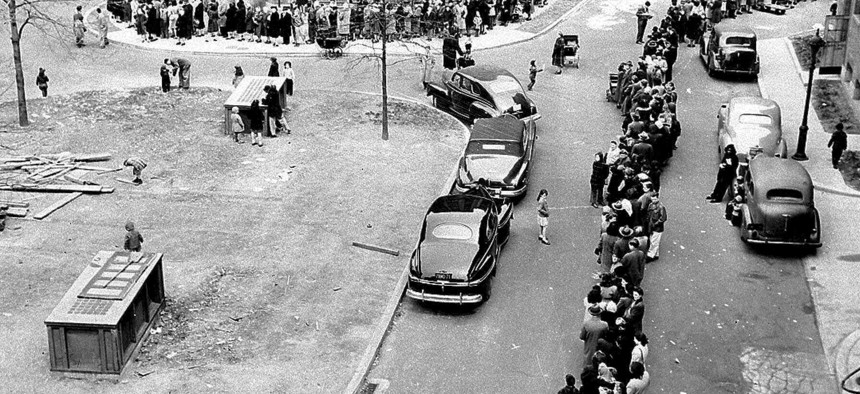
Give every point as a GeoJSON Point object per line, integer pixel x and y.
{"type": "Point", "coordinates": [343, 15]}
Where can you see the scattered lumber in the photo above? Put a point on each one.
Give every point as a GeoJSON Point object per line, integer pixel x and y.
{"type": "Point", "coordinates": [94, 189]}
{"type": "Point", "coordinates": [21, 204]}
{"type": "Point", "coordinates": [79, 181]}
{"type": "Point", "coordinates": [57, 205]}
{"type": "Point", "coordinates": [129, 181]}
{"type": "Point", "coordinates": [17, 212]}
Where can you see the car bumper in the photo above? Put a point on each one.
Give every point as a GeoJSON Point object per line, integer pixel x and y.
{"type": "Point", "coordinates": [766, 241]}
{"type": "Point", "coordinates": [460, 298]}
{"type": "Point", "coordinates": [736, 72]}
{"type": "Point", "coordinates": [506, 192]}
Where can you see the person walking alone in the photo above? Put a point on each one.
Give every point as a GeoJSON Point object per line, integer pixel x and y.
{"type": "Point", "coordinates": [533, 70]}
{"type": "Point", "coordinates": [289, 75]}
{"type": "Point", "coordinates": [102, 25]}
{"type": "Point", "coordinates": [725, 175]}
{"type": "Point", "coordinates": [643, 14]}
{"type": "Point", "coordinates": [838, 143]}
{"type": "Point", "coordinates": [558, 53]}
{"type": "Point", "coordinates": [133, 239]}
{"type": "Point", "coordinates": [274, 68]}
{"type": "Point", "coordinates": [42, 82]}
{"type": "Point", "coordinates": [543, 215]}
{"type": "Point", "coordinates": [599, 173]}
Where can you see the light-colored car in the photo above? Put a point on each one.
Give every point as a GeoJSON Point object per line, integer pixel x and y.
{"type": "Point", "coordinates": [754, 126]}
{"type": "Point", "coordinates": [730, 49]}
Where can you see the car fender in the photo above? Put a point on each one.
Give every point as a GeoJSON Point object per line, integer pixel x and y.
{"type": "Point", "coordinates": [436, 89]}
{"type": "Point", "coordinates": [815, 234]}
{"type": "Point", "coordinates": [746, 220]}
{"type": "Point", "coordinates": [482, 110]}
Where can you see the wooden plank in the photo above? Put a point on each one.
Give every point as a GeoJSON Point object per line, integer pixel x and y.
{"type": "Point", "coordinates": [108, 171]}
{"type": "Point", "coordinates": [17, 212]}
{"type": "Point", "coordinates": [21, 204]}
{"type": "Point", "coordinates": [123, 180]}
{"type": "Point", "coordinates": [92, 168]}
{"type": "Point", "coordinates": [93, 157]}
{"type": "Point", "coordinates": [79, 181]}
{"type": "Point", "coordinates": [15, 166]}
{"type": "Point", "coordinates": [57, 205]}
{"type": "Point", "coordinates": [30, 187]}
{"type": "Point", "coordinates": [376, 248]}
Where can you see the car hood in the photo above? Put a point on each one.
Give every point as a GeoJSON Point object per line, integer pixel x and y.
{"type": "Point", "coordinates": [746, 137]}
{"type": "Point", "coordinates": [453, 257]}
{"type": "Point", "coordinates": [493, 168]}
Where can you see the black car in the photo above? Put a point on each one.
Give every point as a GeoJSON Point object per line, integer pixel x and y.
{"type": "Point", "coordinates": [499, 152]}
{"type": "Point", "coordinates": [458, 252]}
{"type": "Point", "coordinates": [116, 8]}
{"type": "Point", "coordinates": [482, 92]}
{"type": "Point", "coordinates": [730, 49]}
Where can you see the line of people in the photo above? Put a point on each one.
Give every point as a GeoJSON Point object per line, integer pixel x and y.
{"type": "Point", "coordinates": [303, 21]}
{"type": "Point", "coordinates": [625, 184]}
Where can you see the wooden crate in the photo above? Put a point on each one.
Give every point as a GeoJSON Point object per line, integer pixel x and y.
{"type": "Point", "coordinates": [106, 314]}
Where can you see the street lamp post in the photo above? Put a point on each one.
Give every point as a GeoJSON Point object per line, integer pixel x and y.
{"type": "Point", "coordinates": [815, 44]}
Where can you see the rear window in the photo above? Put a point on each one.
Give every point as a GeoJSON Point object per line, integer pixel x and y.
{"type": "Point", "coordinates": [756, 119]}
{"type": "Point", "coordinates": [505, 84]}
{"type": "Point", "coordinates": [495, 148]}
{"type": "Point", "coordinates": [452, 231]}
{"type": "Point", "coordinates": [740, 41]}
{"type": "Point", "coordinates": [787, 195]}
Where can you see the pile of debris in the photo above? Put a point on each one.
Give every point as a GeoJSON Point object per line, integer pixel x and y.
{"type": "Point", "coordinates": [23, 176]}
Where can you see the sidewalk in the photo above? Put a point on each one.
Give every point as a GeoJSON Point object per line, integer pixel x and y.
{"type": "Point", "coordinates": [830, 271]}
{"type": "Point", "coordinates": [543, 19]}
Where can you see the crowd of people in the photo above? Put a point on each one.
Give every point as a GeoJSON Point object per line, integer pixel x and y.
{"type": "Point", "coordinates": [625, 185]}
{"type": "Point", "coordinates": [301, 22]}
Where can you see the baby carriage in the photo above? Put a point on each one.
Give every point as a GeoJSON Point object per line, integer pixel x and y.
{"type": "Point", "coordinates": [571, 49]}
{"type": "Point", "coordinates": [331, 44]}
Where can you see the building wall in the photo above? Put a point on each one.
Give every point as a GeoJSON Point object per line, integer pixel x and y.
{"type": "Point", "coordinates": [850, 71]}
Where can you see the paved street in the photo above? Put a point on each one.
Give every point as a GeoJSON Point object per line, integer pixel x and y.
{"type": "Point", "coordinates": [721, 317]}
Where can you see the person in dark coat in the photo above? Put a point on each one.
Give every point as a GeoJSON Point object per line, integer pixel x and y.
{"type": "Point", "coordinates": [558, 53]}
{"type": "Point", "coordinates": [231, 21]}
{"type": "Point", "coordinates": [725, 175]}
{"type": "Point", "coordinates": [570, 385]}
{"type": "Point", "coordinates": [838, 143]}
{"type": "Point", "coordinates": [275, 112]}
{"type": "Point", "coordinates": [633, 264]}
{"type": "Point", "coordinates": [273, 68]}
{"type": "Point", "coordinates": [165, 78]}
{"type": "Point", "coordinates": [153, 26]}
{"type": "Point", "coordinates": [450, 50]}
{"type": "Point", "coordinates": [255, 121]}
{"type": "Point", "coordinates": [42, 82]}
{"type": "Point", "coordinates": [199, 17]}
{"type": "Point", "coordinates": [285, 21]}
{"type": "Point", "coordinates": [274, 26]}
{"type": "Point", "coordinates": [240, 18]}
{"type": "Point", "coordinates": [599, 172]}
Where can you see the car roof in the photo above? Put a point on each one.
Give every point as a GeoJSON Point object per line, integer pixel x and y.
{"type": "Point", "coordinates": [733, 29]}
{"type": "Point", "coordinates": [754, 105]}
{"type": "Point", "coordinates": [473, 220]}
{"type": "Point", "coordinates": [485, 73]}
{"type": "Point", "coordinates": [503, 128]}
{"type": "Point", "coordinates": [776, 173]}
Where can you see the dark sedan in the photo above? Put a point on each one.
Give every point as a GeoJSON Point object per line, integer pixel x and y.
{"type": "Point", "coordinates": [730, 49]}
{"type": "Point", "coordinates": [499, 152]}
{"type": "Point", "coordinates": [482, 92]}
{"type": "Point", "coordinates": [458, 251]}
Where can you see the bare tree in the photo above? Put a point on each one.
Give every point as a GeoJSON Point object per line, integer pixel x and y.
{"type": "Point", "coordinates": [23, 13]}
{"type": "Point", "coordinates": [419, 51]}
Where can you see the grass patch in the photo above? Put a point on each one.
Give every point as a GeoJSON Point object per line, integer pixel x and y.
{"type": "Point", "coordinates": [849, 166]}
{"type": "Point", "coordinates": [801, 49]}
{"type": "Point", "coordinates": [832, 105]}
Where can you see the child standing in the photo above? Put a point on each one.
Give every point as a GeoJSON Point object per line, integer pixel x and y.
{"type": "Point", "coordinates": [237, 124]}
{"type": "Point", "coordinates": [165, 78]}
{"type": "Point", "coordinates": [543, 215]}
{"type": "Point", "coordinates": [133, 239]}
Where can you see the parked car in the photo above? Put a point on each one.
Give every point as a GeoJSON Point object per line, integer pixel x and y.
{"type": "Point", "coordinates": [754, 126]}
{"type": "Point", "coordinates": [779, 207]}
{"type": "Point", "coordinates": [499, 152]}
{"type": "Point", "coordinates": [458, 251]}
{"type": "Point", "coordinates": [730, 49]}
{"type": "Point", "coordinates": [482, 92]}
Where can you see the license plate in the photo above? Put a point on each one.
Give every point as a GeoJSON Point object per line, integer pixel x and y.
{"type": "Point", "coordinates": [443, 275]}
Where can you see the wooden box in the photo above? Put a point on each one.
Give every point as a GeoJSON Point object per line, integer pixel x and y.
{"type": "Point", "coordinates": [106, 314]}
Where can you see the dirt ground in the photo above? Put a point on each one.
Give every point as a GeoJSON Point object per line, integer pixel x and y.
{"type": "Point", "coordinates": [265, 293]}
{"type": "Point", "coordinates": [832, 105]}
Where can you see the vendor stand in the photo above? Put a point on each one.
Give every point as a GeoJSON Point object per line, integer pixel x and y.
{"type": "Point", "coordinates": [250, 89]}
{"type": "Point", "coordinates": [106, 314]}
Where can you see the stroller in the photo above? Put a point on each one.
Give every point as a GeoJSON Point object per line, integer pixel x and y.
{"type": "Point", "coordinates": [331, 44]}
{"type": "Point", "coordinates": [571, 50]}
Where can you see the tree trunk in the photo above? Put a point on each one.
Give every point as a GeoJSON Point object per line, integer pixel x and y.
{"type": "Point", "coordinates": [384, 72]}
{"type": "Point", "coordinates": [23, 119]}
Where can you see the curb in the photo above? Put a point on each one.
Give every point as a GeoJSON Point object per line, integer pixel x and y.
{"type": "Point", "coordinates": [123, 44]}
{"type": "Point", "coordinates": [380, 332]}
{"type": "Point", "coordinates": [843, 352]}
{"type": "Point", "coordinates": [824, 188]}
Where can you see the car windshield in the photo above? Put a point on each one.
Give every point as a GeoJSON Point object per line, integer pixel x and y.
{"type": "Point", "coordinates": [455, 231]}
{"type": "Point", "coordinates": [785, 195]}
{"type": "Point", "coordinates": [505, 86]}
{"type": "Point", "coordinates": [740, 41]}
{"type": "Point", "coordinates": [756, 119]}
{"type": "Point", "coordinates": [494, 148]}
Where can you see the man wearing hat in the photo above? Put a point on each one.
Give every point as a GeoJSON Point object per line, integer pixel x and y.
{"type": "Point", "coordinates": [592, 331]}
{"type": "Point", "coordinates": [838, 143]}
{"type": "Point", "coordinates": [643, 149]}
{"type": "Point", "coordinates": [622, 245]}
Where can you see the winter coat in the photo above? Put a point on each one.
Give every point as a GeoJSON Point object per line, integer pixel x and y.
{"type": "Point", "coordinates": [599, 172]}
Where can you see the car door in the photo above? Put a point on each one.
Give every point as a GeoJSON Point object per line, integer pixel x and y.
{"type": "Point", "coordinates": [529, 141]}
{"type": "Point", "coordinates": [455, 95]}
{"type": "Point", "coordinates": [461, 95]}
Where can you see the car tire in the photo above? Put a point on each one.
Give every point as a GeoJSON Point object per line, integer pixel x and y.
{"type": "Point", "coordinates": [487, 291]}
